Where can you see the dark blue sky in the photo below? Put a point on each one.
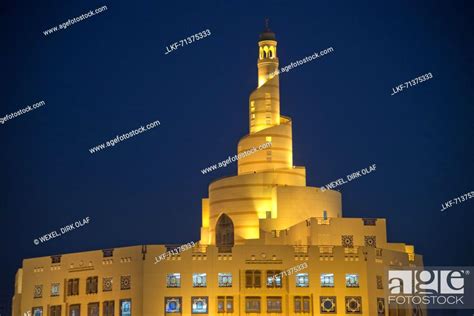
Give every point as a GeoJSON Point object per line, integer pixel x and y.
{"type": "Point", "coordinates": [108, 75]}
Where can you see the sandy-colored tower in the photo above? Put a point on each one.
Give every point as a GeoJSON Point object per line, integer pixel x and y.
{"type": "Point", "coordinates": [268, 186]}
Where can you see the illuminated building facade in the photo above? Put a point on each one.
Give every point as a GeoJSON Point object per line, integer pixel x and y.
{"type": "Point", "coordinates": [255, 225]}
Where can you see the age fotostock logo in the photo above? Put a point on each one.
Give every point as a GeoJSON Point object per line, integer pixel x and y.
{"type": "Point", "coordinates": [432, 287]}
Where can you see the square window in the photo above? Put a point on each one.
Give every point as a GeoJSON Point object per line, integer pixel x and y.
{"type": "Point", "coordinates": [302, 280]}
{"type": "Point", "coordinates": [268, 139]}
{"type": "Point", "coordinates": [37, 311]}
{"type": "Point", "coordinates": [38, 292]}
{"type": "Point", "coordinates": [269, 152]}
{"type": "Point", "coordinates": [268, 122]}
{"type": "Point", "coordinates": [125, 282]}
{"type": "Point", "coordinates": [327, 279]}
{"type": "Point", "coordinates": [268, 102]}
{"type": "Point", "coordinates": [267, 95]}
{"type": "Point", "coordinates": [107, 284]}
{"type": "Point", "coordinates": [54, 289]}
{"type": "Point", "coordinates": [126, 307]}
{"type": "Point", "coordinates": [352, 280]}
{"type": "Point", "coordinates": [199, 280]}
{"type": "Point", "coordinates": [274, 278]}
{"type": "Point", "coordinates": [253, 116]}
{"type": "Point", "coordinates": [252, 304]}
{"type": "Point", "coordinates": [173, 305]}
{"type": "Point", "coordinates": [224, 279]}
{"type": "Point", "coordinates": [274, 304]}
{"type": "Point", "coordinates": [173, 280]}
{"type": "Point", "coordinates": [199, 304]}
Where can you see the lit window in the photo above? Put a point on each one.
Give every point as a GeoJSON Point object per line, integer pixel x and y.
{"type": "Point", "coordinates": [327, 279]}
{"type": "Point", "coordinates": [268, 122]}
{"type": "Point", "coordinates": [268, 102]}
{"type": "Point", "coordinates": [173, 280]}
{"type": "Point", "coordinates": [37, 311]}
{"type": "Point", "coordinates": [268, 139]}
{"type": "Point", "coordinates": [352, 280]}
{"type": "Point", "coordinates": [302, 280]}
{"type": "Point", "coordinates": [253, 116]}
{"type": "Point", "coordinates": [173, 305]}
{"type": "Point", "coordinates": [268, 115]}
{"type": "Point", "coordinates": [269, 152]}
{"type": "Point", "coordinates": [199, 304]}
{"type": "Point", "coordinates": [199, 280]}
{"type": "Point", "coordinates": [225, 304]}
{"type": "Point", "coordinates": [267, 95]}
{"type": "Point", "coordinates": [273, 278]}
{"type": "Point", "coordinates": [225, 279]}
{"type": "Point", "coordinates": [274, 304]}
{"type": "Point", "coordinates": [252, 304]}
{"type": "Point", "coordinates": [54, 289]}
{"type": "Point", "coordinates": [125, 307]}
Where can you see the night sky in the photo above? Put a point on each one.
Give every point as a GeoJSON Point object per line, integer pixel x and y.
{"type": "Point", "coordinates": [109, 74]}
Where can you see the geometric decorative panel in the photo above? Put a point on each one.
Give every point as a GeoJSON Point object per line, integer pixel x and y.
{"type": "Point", "coordinates": [380, 306]}
{"type": "Point", "coordinates": [347, 241]}
{"type": "Point", "coordinates": [54, 289]}
{"type": "Point", "coordinates": [327, 304]}
{"type": "Point", "coordinates": [173, 305]}
{"type": "Point", "coordinates": [370, 241]}
{"type": "Point", "coordinates": [353, 305]}
{"type": "Point", "coordinates": [125, 282]}
{"type": "Point", "coordinates": [38, 291]}
{"type": "Point", "coordinates": [379, 282]}
{"type": "Point", "coordinates": [199, 304]}
{"type": "Point", "coordinates": [106, 284]}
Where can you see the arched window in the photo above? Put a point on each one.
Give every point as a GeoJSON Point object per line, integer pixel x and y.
{"type": "Point", "coordinates": [224, 234]}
